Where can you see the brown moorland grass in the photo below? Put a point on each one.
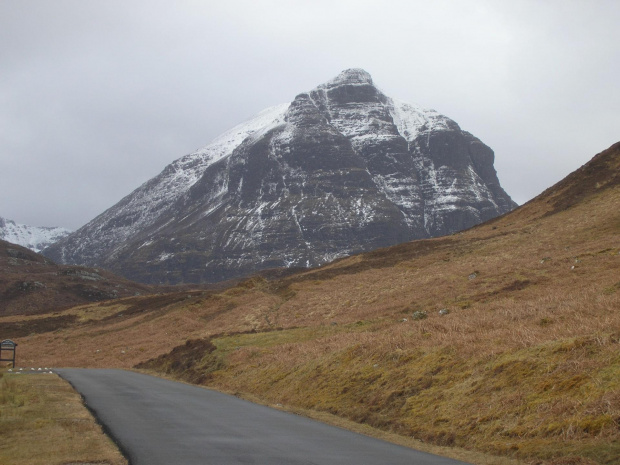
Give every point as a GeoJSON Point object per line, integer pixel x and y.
{"type": "Point", "coordinates": [525, 362]}
{"type": "Point", "coordinates": [31, 284]}
{"type": "Point", "coordinates": [43, 421]}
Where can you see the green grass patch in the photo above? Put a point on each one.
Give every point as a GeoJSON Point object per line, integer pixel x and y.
{"type": "Point", "coordinates": [265, 339]}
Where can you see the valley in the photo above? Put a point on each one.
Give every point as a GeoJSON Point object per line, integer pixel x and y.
{"type": "Point", "coordinates": [502, 339]}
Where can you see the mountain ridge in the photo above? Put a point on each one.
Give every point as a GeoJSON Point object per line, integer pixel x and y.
{"type": "Point", "coordinates": [36, 238]}
{"type": "Point", "coordinates": [340, 170]}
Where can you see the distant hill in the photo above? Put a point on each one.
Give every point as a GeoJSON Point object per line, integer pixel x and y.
{"type": "Point", "coordinates": [35, 238]}
{"type": "Point", "coordinates": [33, 284]}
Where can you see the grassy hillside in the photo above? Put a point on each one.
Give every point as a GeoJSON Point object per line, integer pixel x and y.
{"type": "Point", "coordinates": [32, 284]}
{"type": "Point", "coordinates": [504, 338]}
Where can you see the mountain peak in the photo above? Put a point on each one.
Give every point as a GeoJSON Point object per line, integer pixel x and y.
{"type": "Point", "coordinates": [341, 170]}
{"type": "Point", "coordinates": [351, 76]}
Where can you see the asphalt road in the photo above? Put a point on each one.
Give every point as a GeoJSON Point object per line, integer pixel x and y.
{"type": "Point", "coordinates": [156, 421]}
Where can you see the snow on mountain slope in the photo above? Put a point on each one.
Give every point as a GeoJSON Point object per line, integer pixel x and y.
{"type": "Point", "coordinates": [341, 169]}
{"type": "Point", "coordinates": [145, 205]}
{"type": "Point", "coordinates": [33, 237]}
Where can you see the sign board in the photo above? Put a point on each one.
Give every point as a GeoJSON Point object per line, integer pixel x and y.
{"type": "Point", "coordinates": [7, 349]}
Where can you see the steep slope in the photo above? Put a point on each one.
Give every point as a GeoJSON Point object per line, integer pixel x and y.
{"type": "Point", "coordinates": [32, 284]}
{"type": "Point", "coordinates": [33, 237]}
{"type": "Point", "coordinates": [143, 207]}
{"type": "Point", "coordinates": [340, 170]}
{"type": "Point", "coordinates": [503, 338]}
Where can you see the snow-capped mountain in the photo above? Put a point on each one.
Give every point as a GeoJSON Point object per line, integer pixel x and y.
{"type": "Point", "coordinates": [340, 170]}
{"type": "Point", "coordinates": [32, 237]}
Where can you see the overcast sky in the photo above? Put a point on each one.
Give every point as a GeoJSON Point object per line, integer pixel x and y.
{"type": "Point", "coordinates": [97, 97]}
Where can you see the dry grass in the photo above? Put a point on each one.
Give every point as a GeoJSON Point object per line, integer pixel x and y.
{"type": "Point", "coordinates": [539, 401]}
{"type": "Point", "coordinates": [31, 284]}
{"type": "Point", "coordinates": [464, 455]}
{"type": "Point", "coordinates": [43, 421]}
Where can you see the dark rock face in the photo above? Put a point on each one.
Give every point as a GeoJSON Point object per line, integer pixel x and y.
{"type": "Point", "coordinates": [340, 170]}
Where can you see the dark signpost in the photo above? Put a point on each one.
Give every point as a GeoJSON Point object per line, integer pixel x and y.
{"type": "Point", "coordinates": [7, 346]}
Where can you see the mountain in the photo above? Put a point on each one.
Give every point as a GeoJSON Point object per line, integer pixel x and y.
{"type": "Point", "coordinates": [34, 237]}
{"type": "Point", "coordinates": [340, 170]}
{"type": "Point", "coordinates": [503, 339]}
{"type": "Point", "coordinates": [32, 284]}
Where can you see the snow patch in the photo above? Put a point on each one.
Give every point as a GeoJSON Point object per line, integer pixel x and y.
{"type": "Point", "coordinates": [165, 256]}
{"type": "Point", "coordinates": [35, 238]}
{"type": "Point", "coordinates": [413, 120]}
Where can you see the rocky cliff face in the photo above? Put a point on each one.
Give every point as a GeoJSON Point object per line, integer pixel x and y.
{"type": "Point", "coordinates": [340, 170]}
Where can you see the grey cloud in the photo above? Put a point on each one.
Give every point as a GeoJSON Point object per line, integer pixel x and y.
{"type": "Point", "coordinates": [97, 97]}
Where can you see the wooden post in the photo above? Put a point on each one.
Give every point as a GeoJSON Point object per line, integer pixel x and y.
{"type": "Point", "coordinates": [8, 346]}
